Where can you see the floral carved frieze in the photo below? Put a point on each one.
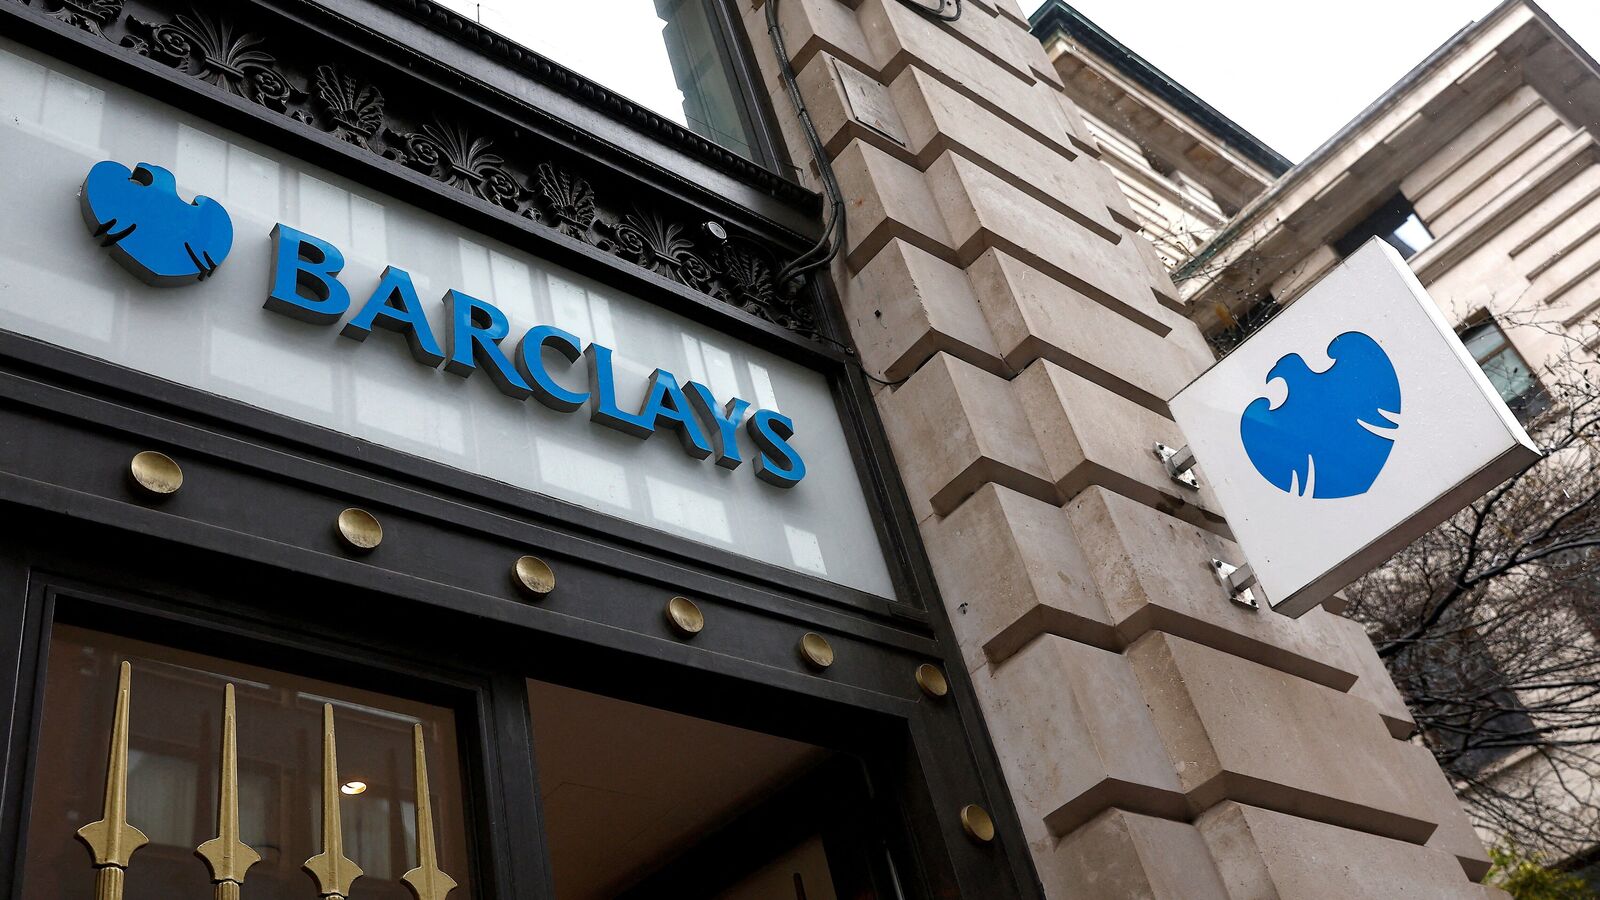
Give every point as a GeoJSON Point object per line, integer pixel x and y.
{"type": "Point", "coordinates": [489, 160]}
{"type": "Point", "coordinates": [213, 50]}
{"type": "Point", "coordinates": [352, 109]}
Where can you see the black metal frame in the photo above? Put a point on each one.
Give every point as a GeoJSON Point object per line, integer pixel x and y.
{"type": "Point", "coordinates": [253, 526]}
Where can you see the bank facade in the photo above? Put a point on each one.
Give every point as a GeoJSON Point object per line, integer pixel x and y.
{"type": "Point", "coordinates": [344, 555]}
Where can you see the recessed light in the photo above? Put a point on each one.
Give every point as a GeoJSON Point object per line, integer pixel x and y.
{"type": "Point", "coordinates": [353, 787]}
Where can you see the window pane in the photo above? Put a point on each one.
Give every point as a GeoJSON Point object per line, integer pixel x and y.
{"type": "Point", "coordinates": [174, 734]}
{"type": "Point", "coordinates": [663, 54]}
{"type": "Point", "coordinates": [1509, 375]}
{"type": "Point", "coordinates": [1483, 340]}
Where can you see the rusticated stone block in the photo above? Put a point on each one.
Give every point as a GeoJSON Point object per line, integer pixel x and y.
{"type": "Point", "coordinates": [886, 199]}
{"type": "Point", "coordinates": [1090, 435]}
{"type": "Point", "coordinates": [1160, 279]}
{"type": "Point", "coordinates": [809, 27]}
{"type": "Point", "coordinates": [1009, 569]}
{"type": "Point", "coordinates": [1033, 316]}
{"type": "Point", "coordinates": [953, 428]}
{"type": "Point", "coordinates": [1237, 730]}
{"type": "Point", "coordinates": [982, 212]}
{"type": "Point", "coordinates": [938, 118]}
{"type": "Point", "coordinates": [1265, 855]}
{"type": "Point", "coordinates": [1455, 836]}
{"type": "Point", "coordinates": [1123, 854]}
{"type": "Point", "coordinates": [1374, 685]}
{"type": "Point", "coordinates": [1074, 736]}
{"type": "Point", "coordinates": [1154, 573]}
{"type": "Point", "coordinates": [899, 37]}
{"type": "Point", "coordinates": [1083, 140]}
{"type": "Point", "coordinates": [907, 305]}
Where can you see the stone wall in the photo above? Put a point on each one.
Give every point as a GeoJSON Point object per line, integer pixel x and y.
{"type": "Point", "coordinates": [1158, 740]}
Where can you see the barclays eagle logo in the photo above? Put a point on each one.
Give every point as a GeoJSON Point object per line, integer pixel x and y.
{"type": "Point", "coordinates": [1332, 435]}
{"type": "Point", "coordinates": [151, 231]}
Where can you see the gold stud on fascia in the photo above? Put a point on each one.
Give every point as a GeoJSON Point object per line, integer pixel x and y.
{"type": "Point", "coordinates": [359, 530]}
{"type": "Point", "coordinates": [932, 681]}
{"type": "Point", "coordinates": [685, 617]}
{"type": "Point", "coordinates": [816, 651]}
{"type": "Point", "coordinates": [533, 576]}
{"type": "Point", "coordinates": [155, 473]}
{"type": "Point", "coordinates": [976, 823]}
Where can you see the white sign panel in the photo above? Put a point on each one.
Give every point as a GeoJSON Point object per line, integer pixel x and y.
{"type": "Point", "coordinates": [421, 339]}
{"type": "Point", "coordinates": [1347, 426]}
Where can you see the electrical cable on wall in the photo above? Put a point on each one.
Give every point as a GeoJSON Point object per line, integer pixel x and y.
{"type": "Point", "coordinates": [938, 14]}
{"type": "Point", "coordinates": [790, 277]}
{"type": "Point", "coordinates": [827, 247]}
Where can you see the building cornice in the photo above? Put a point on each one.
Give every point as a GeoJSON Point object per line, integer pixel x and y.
{"type": "Point", "coordinates": [1056, 17]}
{"type": "Point", "coordinates": [1467, 62]}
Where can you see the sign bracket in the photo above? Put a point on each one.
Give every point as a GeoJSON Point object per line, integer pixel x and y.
{"type": "Point", "coordinates": [1179, 464]}
{"type": "Point", "coordinates": [1238, 581]}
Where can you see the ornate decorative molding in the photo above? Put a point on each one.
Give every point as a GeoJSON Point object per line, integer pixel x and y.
{"type": "Point", "coordinates": [489, 159]}
{"type": "Point", "coordinates": [353, 108]}
{"type": "Point", "coordinates": [214, 51]}
{"type": "Point", "coordinates": [91, 15]}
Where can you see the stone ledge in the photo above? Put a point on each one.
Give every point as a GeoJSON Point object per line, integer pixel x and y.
{"type": "Point", "coordinates": [1093, 436]}
{"type": "Point", "coordinates": [1236, 730]}
{"type": "Point", "coordinates": [954, 428]}
{"type": "Point", "coordinates": [906, 305]}
{"type": "Point", "coordinates": [1123, 854]}
{"type": "Point", "coordinates": [1265, 854]}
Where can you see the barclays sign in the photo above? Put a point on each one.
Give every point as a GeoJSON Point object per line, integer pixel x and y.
{"type": "Point", "coordinates": [166, 241]}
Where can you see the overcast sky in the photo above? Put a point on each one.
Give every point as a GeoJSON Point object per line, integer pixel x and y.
{"type": "Point", "coordinates": [1291, 72]}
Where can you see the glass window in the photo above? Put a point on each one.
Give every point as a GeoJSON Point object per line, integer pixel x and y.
{"type": "Point", "coordinates": [175, 714]}
{"type": "Point", "coordinates": [1396, 222]}
{"type": "Point", "coordinates": [1506, 369]}
{"type": "Point", "coordinates": [672, 56]}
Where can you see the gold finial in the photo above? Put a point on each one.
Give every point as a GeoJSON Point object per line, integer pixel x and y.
{"type": "Point", "coordinates": [331, 869]}
{"type": "Point", "coordinates": [112, 841]}
{"type": "Point", "coordinates": [427, 881]}
{"type": "Point", "coordinates": [226, 856]}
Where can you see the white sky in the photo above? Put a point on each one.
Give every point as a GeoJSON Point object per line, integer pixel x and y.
{"type": "Point", "coordinates": [1292, 72]}
{"type": "Point", "coordinates": [615, 42]}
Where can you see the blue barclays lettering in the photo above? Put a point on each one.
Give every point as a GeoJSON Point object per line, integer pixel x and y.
{"type": "Point", "coordinates": [305, 285]}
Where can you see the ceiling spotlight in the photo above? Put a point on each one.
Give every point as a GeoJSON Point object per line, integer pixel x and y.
{"type": "Point", "coordinates": [353, 787]}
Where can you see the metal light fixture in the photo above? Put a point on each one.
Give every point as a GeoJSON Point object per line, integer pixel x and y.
{"type": "Point", "coordinates": [155, 473]}
{"type": "Point", "coordinates": [360, 530]}
{"type": "Point", "coordinates": [685, 617]}
{"type": "Point", "coordinates": [976, 823]}
{"type": "Point", "coordinates": [534, 576]}
{"type": "Point", "coordinates": [932, 681]}
{"type": "Point", "coordinates": [815, 650]}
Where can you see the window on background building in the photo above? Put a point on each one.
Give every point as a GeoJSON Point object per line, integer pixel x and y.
{"type": "Point", "coordinates": [1506, 369]}
{"type": "Point", "coordinates": [672, 56]}
{"type": "Point", "coordinates": [1396, 222]}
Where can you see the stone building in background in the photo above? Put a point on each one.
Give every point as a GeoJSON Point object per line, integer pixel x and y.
{"type": "Point", "coordinates": [1185, 167]}
{"type": "Point", "coordinates": [1481, 167]}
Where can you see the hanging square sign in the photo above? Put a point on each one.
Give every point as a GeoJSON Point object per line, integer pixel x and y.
{"type": "Point", "coordinates": [1346, 427]}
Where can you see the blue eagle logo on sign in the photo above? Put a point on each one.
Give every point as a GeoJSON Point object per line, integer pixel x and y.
{"type": "Point", "coordinates": [1332, 435]}
{"type": "Point", "coordinates": [151, 231]}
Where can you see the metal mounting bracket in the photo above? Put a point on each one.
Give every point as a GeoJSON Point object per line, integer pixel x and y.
{"type": "Point", "coordinates": [1237, 581]}
{"type": "Point", "coordinates": [1179, 464]}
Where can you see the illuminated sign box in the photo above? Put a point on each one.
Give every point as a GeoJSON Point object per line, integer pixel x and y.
{"type": "Point", "coordinates": [1346, 427]}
